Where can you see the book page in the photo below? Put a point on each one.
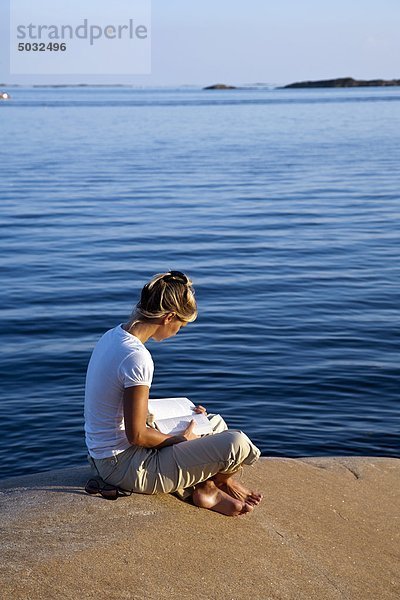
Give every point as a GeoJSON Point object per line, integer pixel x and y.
{"type": "Point", "coordinates": [164, 408]}
{"type": "Point", "coordinates": [174, 425]}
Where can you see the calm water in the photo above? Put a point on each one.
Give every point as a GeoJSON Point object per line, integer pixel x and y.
{"type": "Point", "coordinates": [284, 208]}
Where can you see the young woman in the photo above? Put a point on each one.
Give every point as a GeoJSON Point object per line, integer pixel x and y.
{"type": "Point", "coordinates": [123, 448]}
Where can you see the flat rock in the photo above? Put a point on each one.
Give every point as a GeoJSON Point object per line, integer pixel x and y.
{"type": "Point", "coordinates": [327, 529]}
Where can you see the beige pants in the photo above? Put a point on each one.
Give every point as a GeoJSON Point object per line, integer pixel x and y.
{"type": "Point", "coordinates": [179, 467]}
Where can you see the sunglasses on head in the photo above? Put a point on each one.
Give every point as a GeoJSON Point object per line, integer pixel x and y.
{"type": "Point", "coordinates": [176, 276]}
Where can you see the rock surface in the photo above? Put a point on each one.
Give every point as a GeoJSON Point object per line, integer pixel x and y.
{"type": "Point", "coordinates": [327, 529]}
{"type": "Point", "coordinates": [344, 82]}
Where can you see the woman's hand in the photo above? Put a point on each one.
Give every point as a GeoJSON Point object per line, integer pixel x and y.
{"type": "Point", "coordinates": [188, 434]}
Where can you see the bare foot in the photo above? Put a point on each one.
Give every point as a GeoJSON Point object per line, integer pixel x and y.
{"type": "Point", "coordinates": [208, 495]}
{"type": "Point", "coordinates": [239, 492]}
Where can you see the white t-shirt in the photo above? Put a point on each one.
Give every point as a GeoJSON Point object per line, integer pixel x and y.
{"type": "Point", "coordinates": [119, 360]}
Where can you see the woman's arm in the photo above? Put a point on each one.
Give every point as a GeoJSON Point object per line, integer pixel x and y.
{"type": "Point", "coordinates": [136, 401]}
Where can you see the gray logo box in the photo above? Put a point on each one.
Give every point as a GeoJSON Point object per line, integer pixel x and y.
{"type": "Point", "coordinates": [59, 37]}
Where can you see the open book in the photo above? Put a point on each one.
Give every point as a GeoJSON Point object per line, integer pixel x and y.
{"type": "Point", "coordinates": [173, 415]}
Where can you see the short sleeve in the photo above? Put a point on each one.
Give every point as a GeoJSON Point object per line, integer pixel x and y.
{"type": "Point", "coordinates": [137, 369]}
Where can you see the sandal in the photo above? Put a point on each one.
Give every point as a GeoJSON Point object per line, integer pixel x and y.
{"type": "Point", "coordinates": [106, 490]}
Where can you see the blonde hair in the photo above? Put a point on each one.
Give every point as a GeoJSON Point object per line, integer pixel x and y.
{"type": "Point", "coordinates": [166, 293]}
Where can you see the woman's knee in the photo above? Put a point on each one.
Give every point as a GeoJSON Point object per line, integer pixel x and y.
{"type": "Point", "coordinates": [238, 443]}
{"type": "Point", "coordinates": [217, 423]}
{"type": "Point", "coordinates": [242, 449]}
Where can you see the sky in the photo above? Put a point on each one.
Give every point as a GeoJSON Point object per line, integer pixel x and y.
{"type": "Point", "coordinates": [258, 41]}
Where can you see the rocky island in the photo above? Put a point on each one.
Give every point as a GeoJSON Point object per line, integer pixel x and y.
{"type": "Point", "coordinates": [220, 86]}
{"type": "Point", "coordinates": [343, 82]}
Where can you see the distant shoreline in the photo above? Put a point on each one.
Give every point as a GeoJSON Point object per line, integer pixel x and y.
{"type": "Point", "coordinates": [340, 82]}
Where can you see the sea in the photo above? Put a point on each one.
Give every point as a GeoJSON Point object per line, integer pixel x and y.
{"type": "Point", "coordinates": [283, 207]}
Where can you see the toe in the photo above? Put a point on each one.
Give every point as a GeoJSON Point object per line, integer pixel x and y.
{"type": "Point", "coordinates": [246, 508]}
